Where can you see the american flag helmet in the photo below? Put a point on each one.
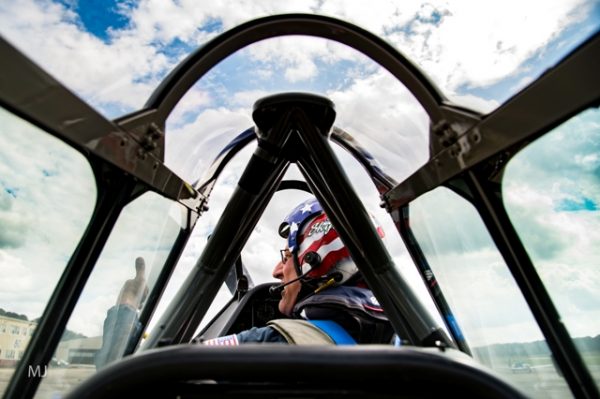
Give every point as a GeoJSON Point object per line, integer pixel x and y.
{"type": "Point", "coordinates": [308, 230]}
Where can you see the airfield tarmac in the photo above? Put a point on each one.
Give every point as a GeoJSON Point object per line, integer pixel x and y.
{"type": "Point", "coordinates": [542, 383]}
{"type": "Point", "coordinates": [57, 382]}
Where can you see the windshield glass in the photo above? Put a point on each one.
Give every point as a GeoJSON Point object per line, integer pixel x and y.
{"type": "Point", "coordinates": [107, 321]}
{"type": "Point", "coordinates": [261, 252]}
{"type": "Point", "coordinates": [478, 53]}
{"type": "Point", "coordinates": [484, 297]}
{"type": "Point", "coordinates": [392, 125]}
{"type": "Point", "coordinates": [47, 195]}
{"type": "Point", "coordinates": [552, 194]}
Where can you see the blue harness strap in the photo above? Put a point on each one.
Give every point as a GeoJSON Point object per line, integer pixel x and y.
{"type": "Point", "coordinates": [335, 331]}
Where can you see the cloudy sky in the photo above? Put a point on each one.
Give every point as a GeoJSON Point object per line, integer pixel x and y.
{"type": "Point", "coordinates": [113, 54]}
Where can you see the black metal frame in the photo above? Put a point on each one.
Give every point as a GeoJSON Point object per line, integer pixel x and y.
{"type": "Point", "coordinates": [170, 91]}
{"type": "Point", "coordinates": [332, 188]}
{"type": "Point", "coordinates": [165, 274]}
{"type": "Point", "coordinates": [41, 100]}
{"type": "Point", "coordinates": [294, 133]}
{"type": "Point", "coordinates": [446, 118]}
{"type": "Point", "coordinates": [114, 193]}
{"type": "Point", "coordinates": [229, 236]}
{"type": "Point", "coordinates": [563, 91]}
{"type": "Point", "coordinates": [489, 198]}
{"type": "Point", "coordinates": [431, 282]}
{"type": "Point", "coordinates": [382, 182]}
{"type": "Point", "coordinates": [472, 166]}
{"type": "Point", "coordinates": [127, 158]}
{"type": "Point", "coordinates": [124, 167]}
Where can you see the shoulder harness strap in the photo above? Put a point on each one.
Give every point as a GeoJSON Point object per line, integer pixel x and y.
{"type": "Point", "coordinates": [335, 331]}
{"type": "Point", "coordinates": [300, 332]}
{"type": "Point", "coordinates": [312, 332]}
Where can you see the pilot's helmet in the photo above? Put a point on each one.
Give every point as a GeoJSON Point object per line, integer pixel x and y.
{"type": "Point", "coordinates": [316, 247]}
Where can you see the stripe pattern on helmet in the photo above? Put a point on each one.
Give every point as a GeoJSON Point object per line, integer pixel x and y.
{"type": "Point", "coordinates": [296, 219]}
{"type": "Point", "coordinates": [308, 229]}
{"type": "Point", "coordinates": [320, 236]}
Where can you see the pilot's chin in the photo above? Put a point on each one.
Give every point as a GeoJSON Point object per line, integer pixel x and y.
{"type": "Point", "coordinates": [282, 308]}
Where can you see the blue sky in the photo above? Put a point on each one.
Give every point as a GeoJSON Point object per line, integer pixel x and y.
{"type": "Point", "coordinates": [113, 54]}
{"type": "Point", "coordinates": [99, 17]}
{"type": "Point", "coordinates": [103, 18]}
{"type": "Point", "coordinates": [544, 57]}
{"type": "Point", "coordinates": [129, 46]}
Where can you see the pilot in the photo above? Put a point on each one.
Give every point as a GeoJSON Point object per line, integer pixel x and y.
{"type": "Point", "coordinates": [322, 291]}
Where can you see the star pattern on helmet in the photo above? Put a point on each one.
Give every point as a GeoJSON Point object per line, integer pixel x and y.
{"type": "Point", "coordinates": [296, 219]}
{"type": "Point", "coordinates": [307, 208]}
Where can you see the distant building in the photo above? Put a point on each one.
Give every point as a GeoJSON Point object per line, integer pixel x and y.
{"type": "Point", "coordinates": [16, 333]}
{"type": "Point", "coordinates": [14, 337]}
{"type": "Point", "coordinates": [78, 350]}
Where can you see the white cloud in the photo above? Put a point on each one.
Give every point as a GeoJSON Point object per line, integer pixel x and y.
{"type": "Point", "coordinates": [234, 13]}
{"type": "Point", "coordinates": [15, 277]}
{"type": "Point", "coordinates": [189, 105]}
{"type": "Point", "coordinates": [246, 99]}
{"type": "Point", "coordinates": [48, 210]}
{"type": "Point", "coordinates": [297, 55]}
{"type": "Point", "coordinates": [192, 148]}
{"type": "Point", "coordinates": [166, 20]}
{"type": "Point", "coordinates": [476, 280]}
{"type": "Point", "coordinates": [386, 15]}
{"type": "Point", "coordinates": [89, 315]}
{"type": "Point", "coordinates": [562, 243]}
{"type": "Point", "coordinates": [15, 224]}
{"type": "Point", "coordinates": [377, 108]}
{"type": "Point", "coordinates": [588, 161]}
{"type": "Point", "coordinates": [478, 44]}
{"type": "Point", "coordinates": [303, 70]}
{"type": "Point", "coordinates": [264, 73]}
{"type": "Point", "coordinates": [545, 199]}
{"type": "Point", "coordinates": [470, 45]}
{"type": "Point", "coordinates": [476, 103]}
{"type": "Point", "coordinates": [122, 73]}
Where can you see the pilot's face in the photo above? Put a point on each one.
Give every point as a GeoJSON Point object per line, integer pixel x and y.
{"type": "Point", "coordinates": [285, 271]}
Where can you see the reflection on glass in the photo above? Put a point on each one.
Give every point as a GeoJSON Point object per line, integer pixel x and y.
{"type": "Point", "coordinates": [47, 195]}
{"type": "Point", "coordinates": [105, 325]}
{"type": "Point", "coordinates": [487, 304]}
{"type": "Point", "coordinates": [552, 194]}
{"type": "Point", "coordinates": [221, 299]}
{"type": "Point", "coordinates": [201, 232]}
{"type": "Point", "coordinates": [121, 326]}
{"type": "Point", "coordinates": [371, 105]}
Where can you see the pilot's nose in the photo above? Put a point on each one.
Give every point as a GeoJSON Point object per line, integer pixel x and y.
{"type": "Point", "coordinates": [278, 271]}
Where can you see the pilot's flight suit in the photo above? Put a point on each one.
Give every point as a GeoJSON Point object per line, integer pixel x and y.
{"type": "Point", "coordinates": [339, 315]}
